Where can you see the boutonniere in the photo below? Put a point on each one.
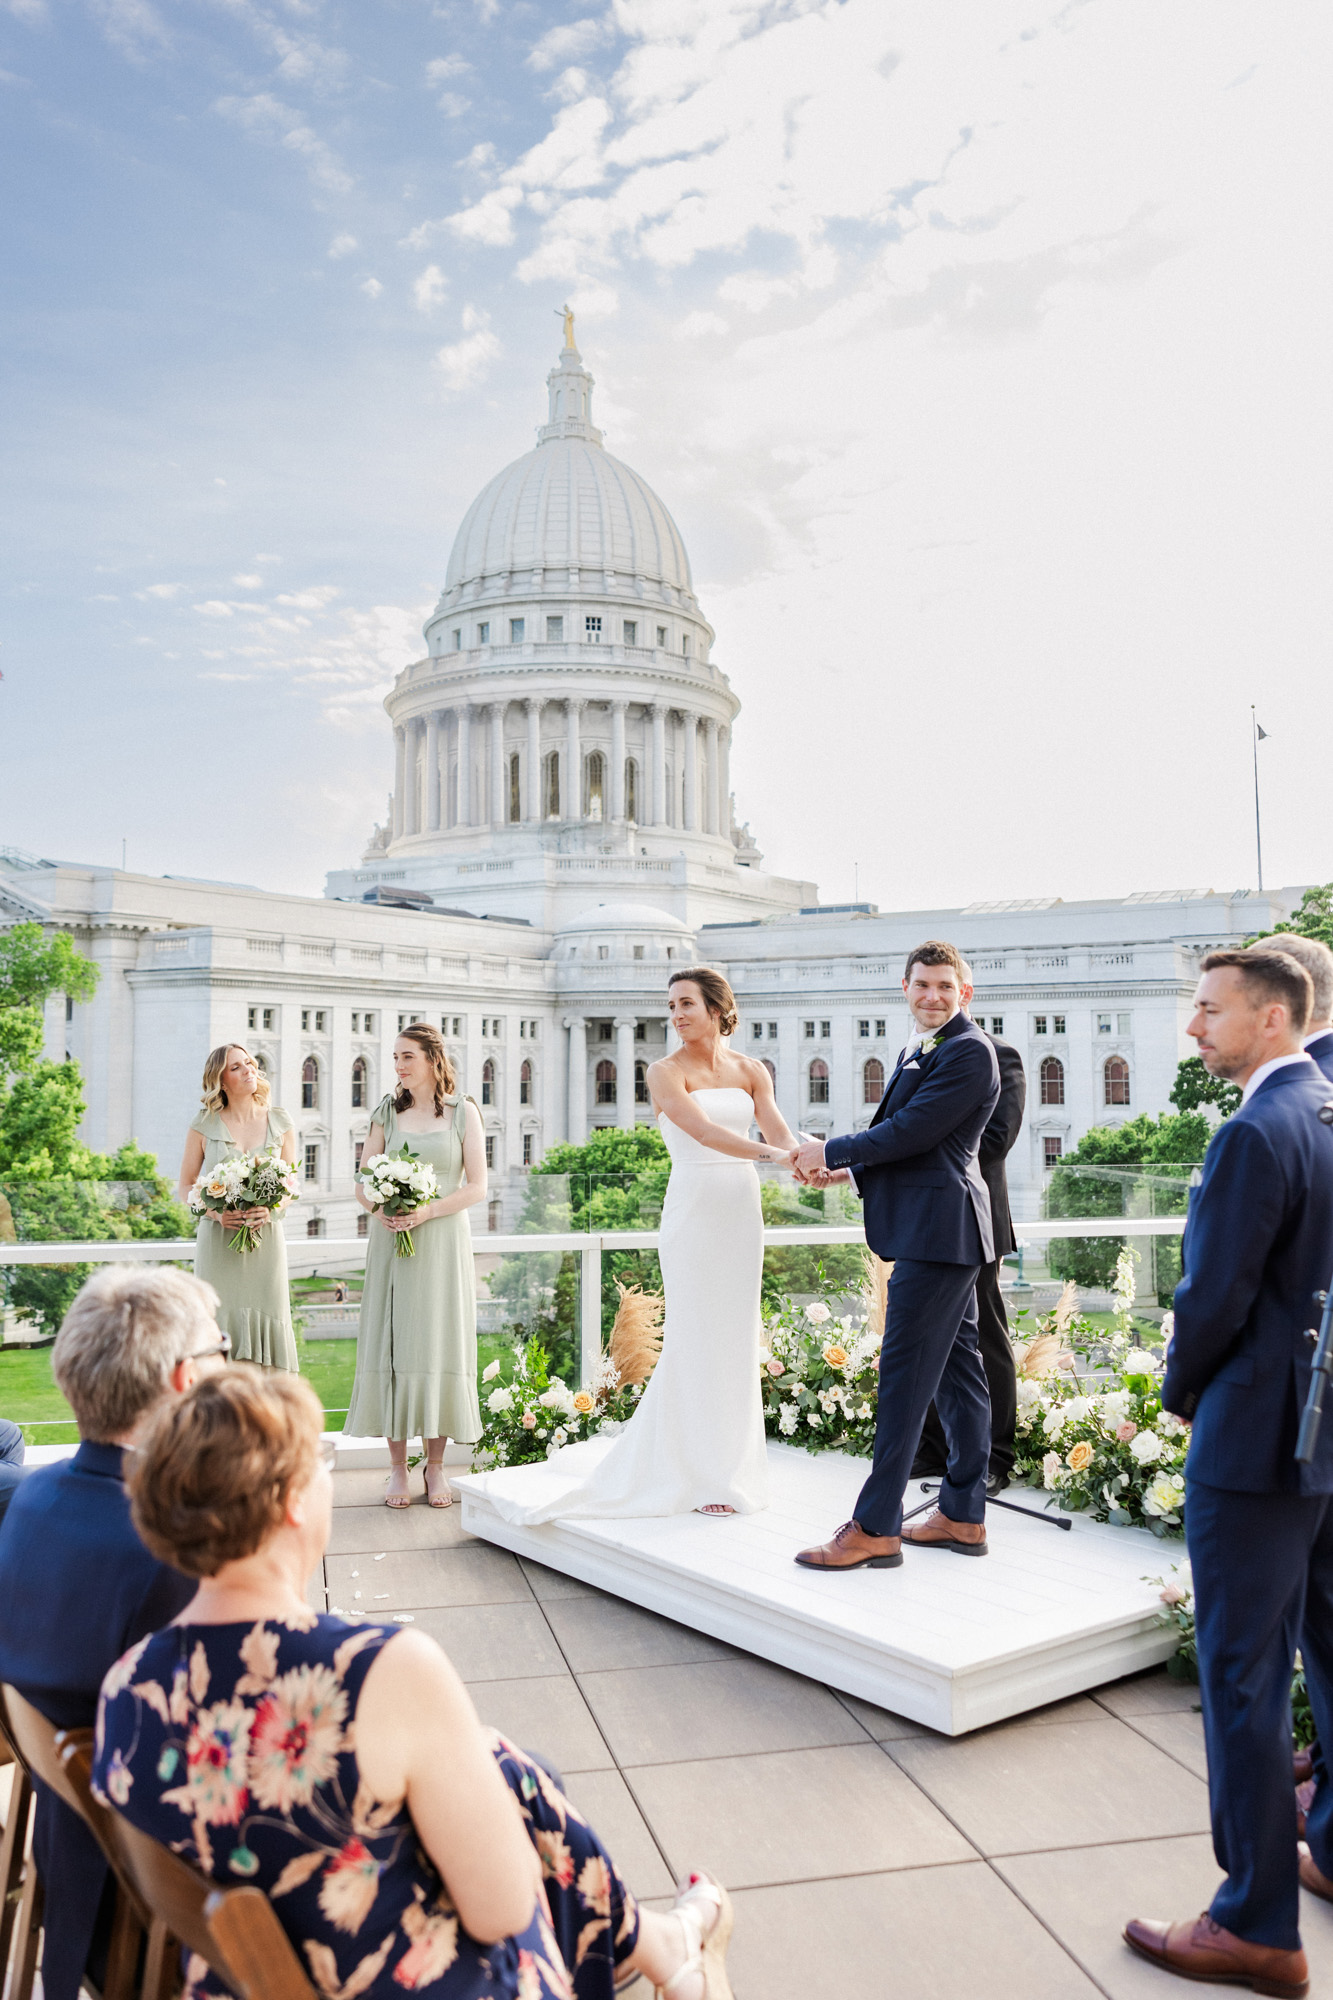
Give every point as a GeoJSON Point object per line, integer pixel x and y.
{"type": "Point", "coordinates": [929, 1048]}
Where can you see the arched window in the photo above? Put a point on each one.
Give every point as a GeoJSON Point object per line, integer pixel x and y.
{"type": "Point", "coordinates": [872, 1081]}
{"type": "Point", "coordinates": [525, 1084]}
{"type": "Point", "coordinates": [488, 1082]}
{"type": "Point", "coordinates": [770, 1068]}
{"type": "Point", "coordinates": [551, 783]}
{"type": "Point", "coordinates": [818, 1082]}
{"type": "Point", "coordinates": [1052, 1081]}
{"type": "Point", "coordinates": [515, 790]}
{"type": "Point", "coordinates": [1115, 1079]}
{"type": "Point", "coordinates": [594, 786]}
{"type": "Point", "coordinates": [310, 1084]}
{"type": "Point", "coordinates": [606, 1082]}
{"type": "Point", "coordinates": [360, 1078]}
{"type": "Point", "coordinates": [641, 1084]}
{"type": "Point", "coordinates": [261, 1061]}
{"type": "Point", "coordinates": [631, 789]}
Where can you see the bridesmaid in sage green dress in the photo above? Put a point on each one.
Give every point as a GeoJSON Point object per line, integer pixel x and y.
{"type": "Point", "coordinates": [416, 1350]}
{"type": "Point", "coordinates": [236, 1117]}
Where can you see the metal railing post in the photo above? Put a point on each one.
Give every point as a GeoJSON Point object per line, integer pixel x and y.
{"type": "Point", "coordinates": [590, 1307]}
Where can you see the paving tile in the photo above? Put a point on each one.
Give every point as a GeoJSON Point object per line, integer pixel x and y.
{"type": "Point", "coordinates": [409, 1579]}
{"type": "Point", "coordinates": [548, 1715]}
{"type": "Point", "coordinates": [1181, 1736]}
{"type": "Point", "coordinates": [882, 1724]}
{"type": "Point", "coordinates": [1086, 1894]}
{"type": "Point", "coordinates": [549, 1582]}
{"type": "Point", "coordinates": [713, 1708]}
{"type": "Point", "coordinates": [1069, 1784]}
{"type": "Point", "coordinates": [364, 1488]}
{"type": "Point", "coordinates": [793, 1815]}
{"type": "Point", "coordinates": [607, 1804]}
{"type": "Point", "coordinates": [599, 1632]}
{"type": "Point", "coordinates": [1075, 1708]}
{"type": "Point", "coordinates": [365, 1530]}
{"type": "Point", "coordinates": [917, 1934]}
{"type": "Point", "coordinates": [1148, 1694]}
{"type": "Point", "coordinates": [494, 1642]}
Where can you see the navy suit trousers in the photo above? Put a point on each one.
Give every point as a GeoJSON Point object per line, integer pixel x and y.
{"type": "Point", "coordinates": [929, 1354]}
{"type": "Point", "coordinates": [1263, 1586]}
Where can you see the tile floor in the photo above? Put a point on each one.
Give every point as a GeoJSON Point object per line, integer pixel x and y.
{"type": "Point", "coordinates": [869, 1858]}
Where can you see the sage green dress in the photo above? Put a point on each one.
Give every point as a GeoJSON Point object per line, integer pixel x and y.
{"type": "Point", "coordinates": [416, 1349]}
{"type": "Point", "coordinates": [256, 1309]}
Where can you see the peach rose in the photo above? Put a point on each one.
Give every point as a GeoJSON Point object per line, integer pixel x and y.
{"type": "Point", "coordinates": [1080, 1458]}
{"type": "Point", "coordinates": [1126, 1431]}
{"type": "Point", "coordinates": [582, 1402]}
{"type": "Point", "coordinates": [774, 1367]}
{"type": "Point", "coordinates": [835, 1356]}
{"type": "Point", "coordinates": [528, 1421]}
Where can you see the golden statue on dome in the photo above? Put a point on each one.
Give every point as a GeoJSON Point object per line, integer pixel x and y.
{"type": "Point", "coordinates": [565, 313]}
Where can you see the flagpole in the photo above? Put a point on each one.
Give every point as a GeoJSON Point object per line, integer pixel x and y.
{"type": "Point", "coordinates": [1258, 831]}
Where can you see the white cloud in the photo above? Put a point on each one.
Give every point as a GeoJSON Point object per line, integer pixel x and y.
{"type": "Point", "coordinates": [314, 598]}
{"type": "Point", "coordinates": [132, 26]}
{"type": "Point", "coordinates": [442, 68]}
{"type": "Point", "coordinates": [569, 41]}
{"type": "Point", "coordinates": [452, 105]}
{"type": "Point", "coordinates": [429, 289]}
{"type": "Point", "coordinates": [696, 324]}
{"type": "Point", "coordinates": [268, 559]}
{"type": "Point", "coordinates": [465, 363]}
{"type": "Point", "coordinates": [489, 220]}
{"type": "Point", "coordinates": [268, 117]}
{"type": "Point", "coordinates": [371, 287]}
{"type": "Point", "coordinates": [160, 590]}
{"type": "Point", "coordinates": [214, 608]}
{"type": "Point", "coordinates": [30, 11]}
{"type": "Point", "coordinates": [248, 582]}
{"type": "Point", "coordinates": [342, 245]}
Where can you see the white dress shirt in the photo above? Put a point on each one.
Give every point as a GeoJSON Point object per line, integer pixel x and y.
{"type": "Point", "coordinates": [1266, 1069]}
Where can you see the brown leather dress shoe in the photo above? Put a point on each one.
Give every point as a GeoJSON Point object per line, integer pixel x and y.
{"type": "Point", "coordinates": [937, 1531]}
{"type": "Point", "coordinates": [852, 1548]}
{"type": "Point", "coordinates": [1201, 1949]}
{"type": "Point", "coordinates": [1312, 1876]}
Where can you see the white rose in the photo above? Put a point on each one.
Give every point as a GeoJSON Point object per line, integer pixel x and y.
{"type": "Point", "coordinates": [1029, 1393]}
{"type": "Point", "coordinates": [1114, 1406]}
{"type": "Point", "coordinates": [1169, 1424]}
{"type": "Point", "coordinates": [1053, 1421]}
{"type": "Point", "coordinates": [559, 1435]}
{"type": "Point", "coordinates": [1077, 1410]}
{"type": "Point", "coordinates": [500, 1400]}
{"type": "Point", "coordinates": [1139, 1362]}
{"type": "Point", "coordinates": [1146, 1447]}
{"type": "Point", "coordinates": [1162, 1498]}
{"type": "Point", "coordinates": [489, 1374]}
{"type": "Point", "coordinates": [817, 1312]}
{"type": "Point", "coordinates": [787, 1419]}
{"type": "Point", "coordinates": [1168, 1329]}
{"type": "Point", "coordinates": [1051, 1468]}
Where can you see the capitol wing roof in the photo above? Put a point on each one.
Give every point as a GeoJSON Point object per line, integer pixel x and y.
{"type": "Point", "coordinates": [569, 504]}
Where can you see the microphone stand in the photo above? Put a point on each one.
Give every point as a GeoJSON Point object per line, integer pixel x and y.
{"type": "Point", "coordinates": [1051, 1520]}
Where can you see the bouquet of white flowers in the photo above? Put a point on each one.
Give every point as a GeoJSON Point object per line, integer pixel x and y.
{"type": "Point", "coordinates": [398, 1183]}
{"type": "Point", "coordinates": [250, 1180]}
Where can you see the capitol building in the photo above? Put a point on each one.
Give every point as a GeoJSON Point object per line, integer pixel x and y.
{"type": "Point", "coordinates": [562, 831]}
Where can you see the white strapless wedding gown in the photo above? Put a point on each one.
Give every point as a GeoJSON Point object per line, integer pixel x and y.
{"type": "Point", "coordinates": [698, 1434]}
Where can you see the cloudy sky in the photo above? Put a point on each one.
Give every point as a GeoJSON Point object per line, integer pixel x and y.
{"type": "Point", "coordinates": [979, 347]}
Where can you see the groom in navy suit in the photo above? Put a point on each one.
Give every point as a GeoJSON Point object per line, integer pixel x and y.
{"type": "Point", "coordinates": [928, 1209]}
{"type": "Point", "coordinates": [1258, 1247]}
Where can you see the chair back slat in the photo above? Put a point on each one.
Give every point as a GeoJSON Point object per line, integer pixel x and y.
{"type": "Point", "coordinates": [246, 1926]}
{"type": "Point", "coordinates": [34, 1742]}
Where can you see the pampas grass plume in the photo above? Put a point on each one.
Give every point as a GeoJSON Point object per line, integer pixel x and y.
{"type": "Point", "coordinates": [636, 1336]}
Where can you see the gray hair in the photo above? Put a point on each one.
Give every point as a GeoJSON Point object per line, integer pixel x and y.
{"type": "Point", "coordinates": [1315, 957]}
{"type": "Point", "coordinates": [122, 1336]}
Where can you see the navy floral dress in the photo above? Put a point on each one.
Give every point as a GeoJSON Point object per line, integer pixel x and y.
{"type": "Point", "coordinates": [233, 1746]}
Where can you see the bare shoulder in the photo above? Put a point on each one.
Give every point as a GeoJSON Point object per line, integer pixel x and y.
{"type": "Point", "coordinates": [754, 1072]}
{"type": "Point", "coordinates": [411, 1667]}
{"type": "Point", "coordinates": [667, 1068]}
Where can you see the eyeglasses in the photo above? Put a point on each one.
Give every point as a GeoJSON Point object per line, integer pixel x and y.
{"type": "Point", "coordinates": [203, 1353]}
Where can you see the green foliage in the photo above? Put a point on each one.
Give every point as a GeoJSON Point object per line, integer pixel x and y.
{"type": "Point", "coordinates": [1195, 1086]}
{"type": "Point", "coordinates": [1313, 917]}
{"type": "Point", "coordinates": [39, 1117]}
{"type": "Point", "coordinates": [33, 966]}
{"type": "Point", "coordinates": [808, 1267]}
{"type": "Point", "coordinates": [1113, 1171]}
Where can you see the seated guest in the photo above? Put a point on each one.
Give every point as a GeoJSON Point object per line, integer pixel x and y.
{"type": "Point", "coordinates": [76, 1583]}
{"type": "Point", "coordinates": [11, 1462]}
{"type": "Point", "coordinates": [340, 1765]}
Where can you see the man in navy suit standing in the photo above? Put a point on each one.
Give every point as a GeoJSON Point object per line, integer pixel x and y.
{"type": "Point", "coordinates": [77, 1585]}
{"type": "Point", "coordinates": [928, 1209]}
{"type": "Point", "coordinates": [1258, 1245]}
{"type": "Point", "coordinates": [1318, 962]}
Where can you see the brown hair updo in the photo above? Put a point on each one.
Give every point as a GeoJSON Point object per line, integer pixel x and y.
{"type": "Point", "coordinates": [718, 996]}
{"type": "Point", "coordinates": [429, 1041]}
{"type": "Point", "coordinates": [209, 1483]}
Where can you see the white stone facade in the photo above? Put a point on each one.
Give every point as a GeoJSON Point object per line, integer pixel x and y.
{"type": "Point", "coordinates": [562, 814]}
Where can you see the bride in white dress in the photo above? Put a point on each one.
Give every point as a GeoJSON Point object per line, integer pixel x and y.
{"type": "Point", "coordinates": [696, 1440]}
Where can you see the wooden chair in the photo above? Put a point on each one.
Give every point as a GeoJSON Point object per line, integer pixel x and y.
{"type": "Point", "coordinates": [20, 1891]}
{"type": "Point", "coordinates": [236, 1930]}
{"type": "Point", "coordinates": [40, 1748]}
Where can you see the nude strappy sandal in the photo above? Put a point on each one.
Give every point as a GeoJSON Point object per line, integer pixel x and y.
{"type": "Point", "coordinates": [703, 1954]}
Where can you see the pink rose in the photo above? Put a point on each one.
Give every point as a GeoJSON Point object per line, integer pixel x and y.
{"type": "Point", "coordinates": [774, 1367]}
{"type": "Point", "coordinates": [1126, 1431]}
{"type": "Point", "coordinates": [528, 1421]}
{"type": "Point", "coordinates": [1173, 1594]}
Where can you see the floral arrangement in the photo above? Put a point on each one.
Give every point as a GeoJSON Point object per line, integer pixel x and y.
{"type": "Point", "coordinates": [248, 1180]}
{"type": "Point", "coordinates": [399, 1184]}
{"type": "Point", "coordinates": [530, 1416]}
{"type": "Point", "coordinates": [819, 1380]}
{"type": "Point", "coordinates": [1177, 1595]}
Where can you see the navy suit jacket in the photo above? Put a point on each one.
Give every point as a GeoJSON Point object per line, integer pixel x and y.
{"type": "Point", "coordinates": [1258, 1244]}
{"type": "Point", "coordinates": [1322, 1051]}
{"type": "Point", "coordinates": [915, 1165]}
{"type": "Point", "coordinates": [78, 1588]}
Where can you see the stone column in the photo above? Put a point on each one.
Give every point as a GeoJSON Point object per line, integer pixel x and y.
{"type": "Point", "coordinates": [691, 756]}
{"type": "Point", "coordinates": [399, 778]}
{"type": "Point", "coordinates": [499, 804]}
{"type": "Point", "coordinates": [710, 775]}
{"type": "Point", "coordinates": [433, 773]}
{"type": "Point", "coordinates": [659, 764]}
{"type": "Point", "coordinates": [625, 1072]}
{"type": "Point", "coordinates": [724, 781]}
{"type": "Point", "coordinates": [618, 759]}
{"type": "Point", "coordinates": [464, 764]}
{"type": "Point", "coordinates": [576, 1118]}
{"type": "Point", "coordinates": [412, 803]}
{"type": "Point", "coordinates": [533, 796]}
{"type": "Point", "coordinates": [572, 802]}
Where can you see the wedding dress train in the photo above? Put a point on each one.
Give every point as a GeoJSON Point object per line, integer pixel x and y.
{"type": "Point", "coordinates": [697, 1437]}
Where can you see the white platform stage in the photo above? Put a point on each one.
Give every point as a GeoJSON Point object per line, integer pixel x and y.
{"type": "Point", "coordinates": [948, 1641]}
